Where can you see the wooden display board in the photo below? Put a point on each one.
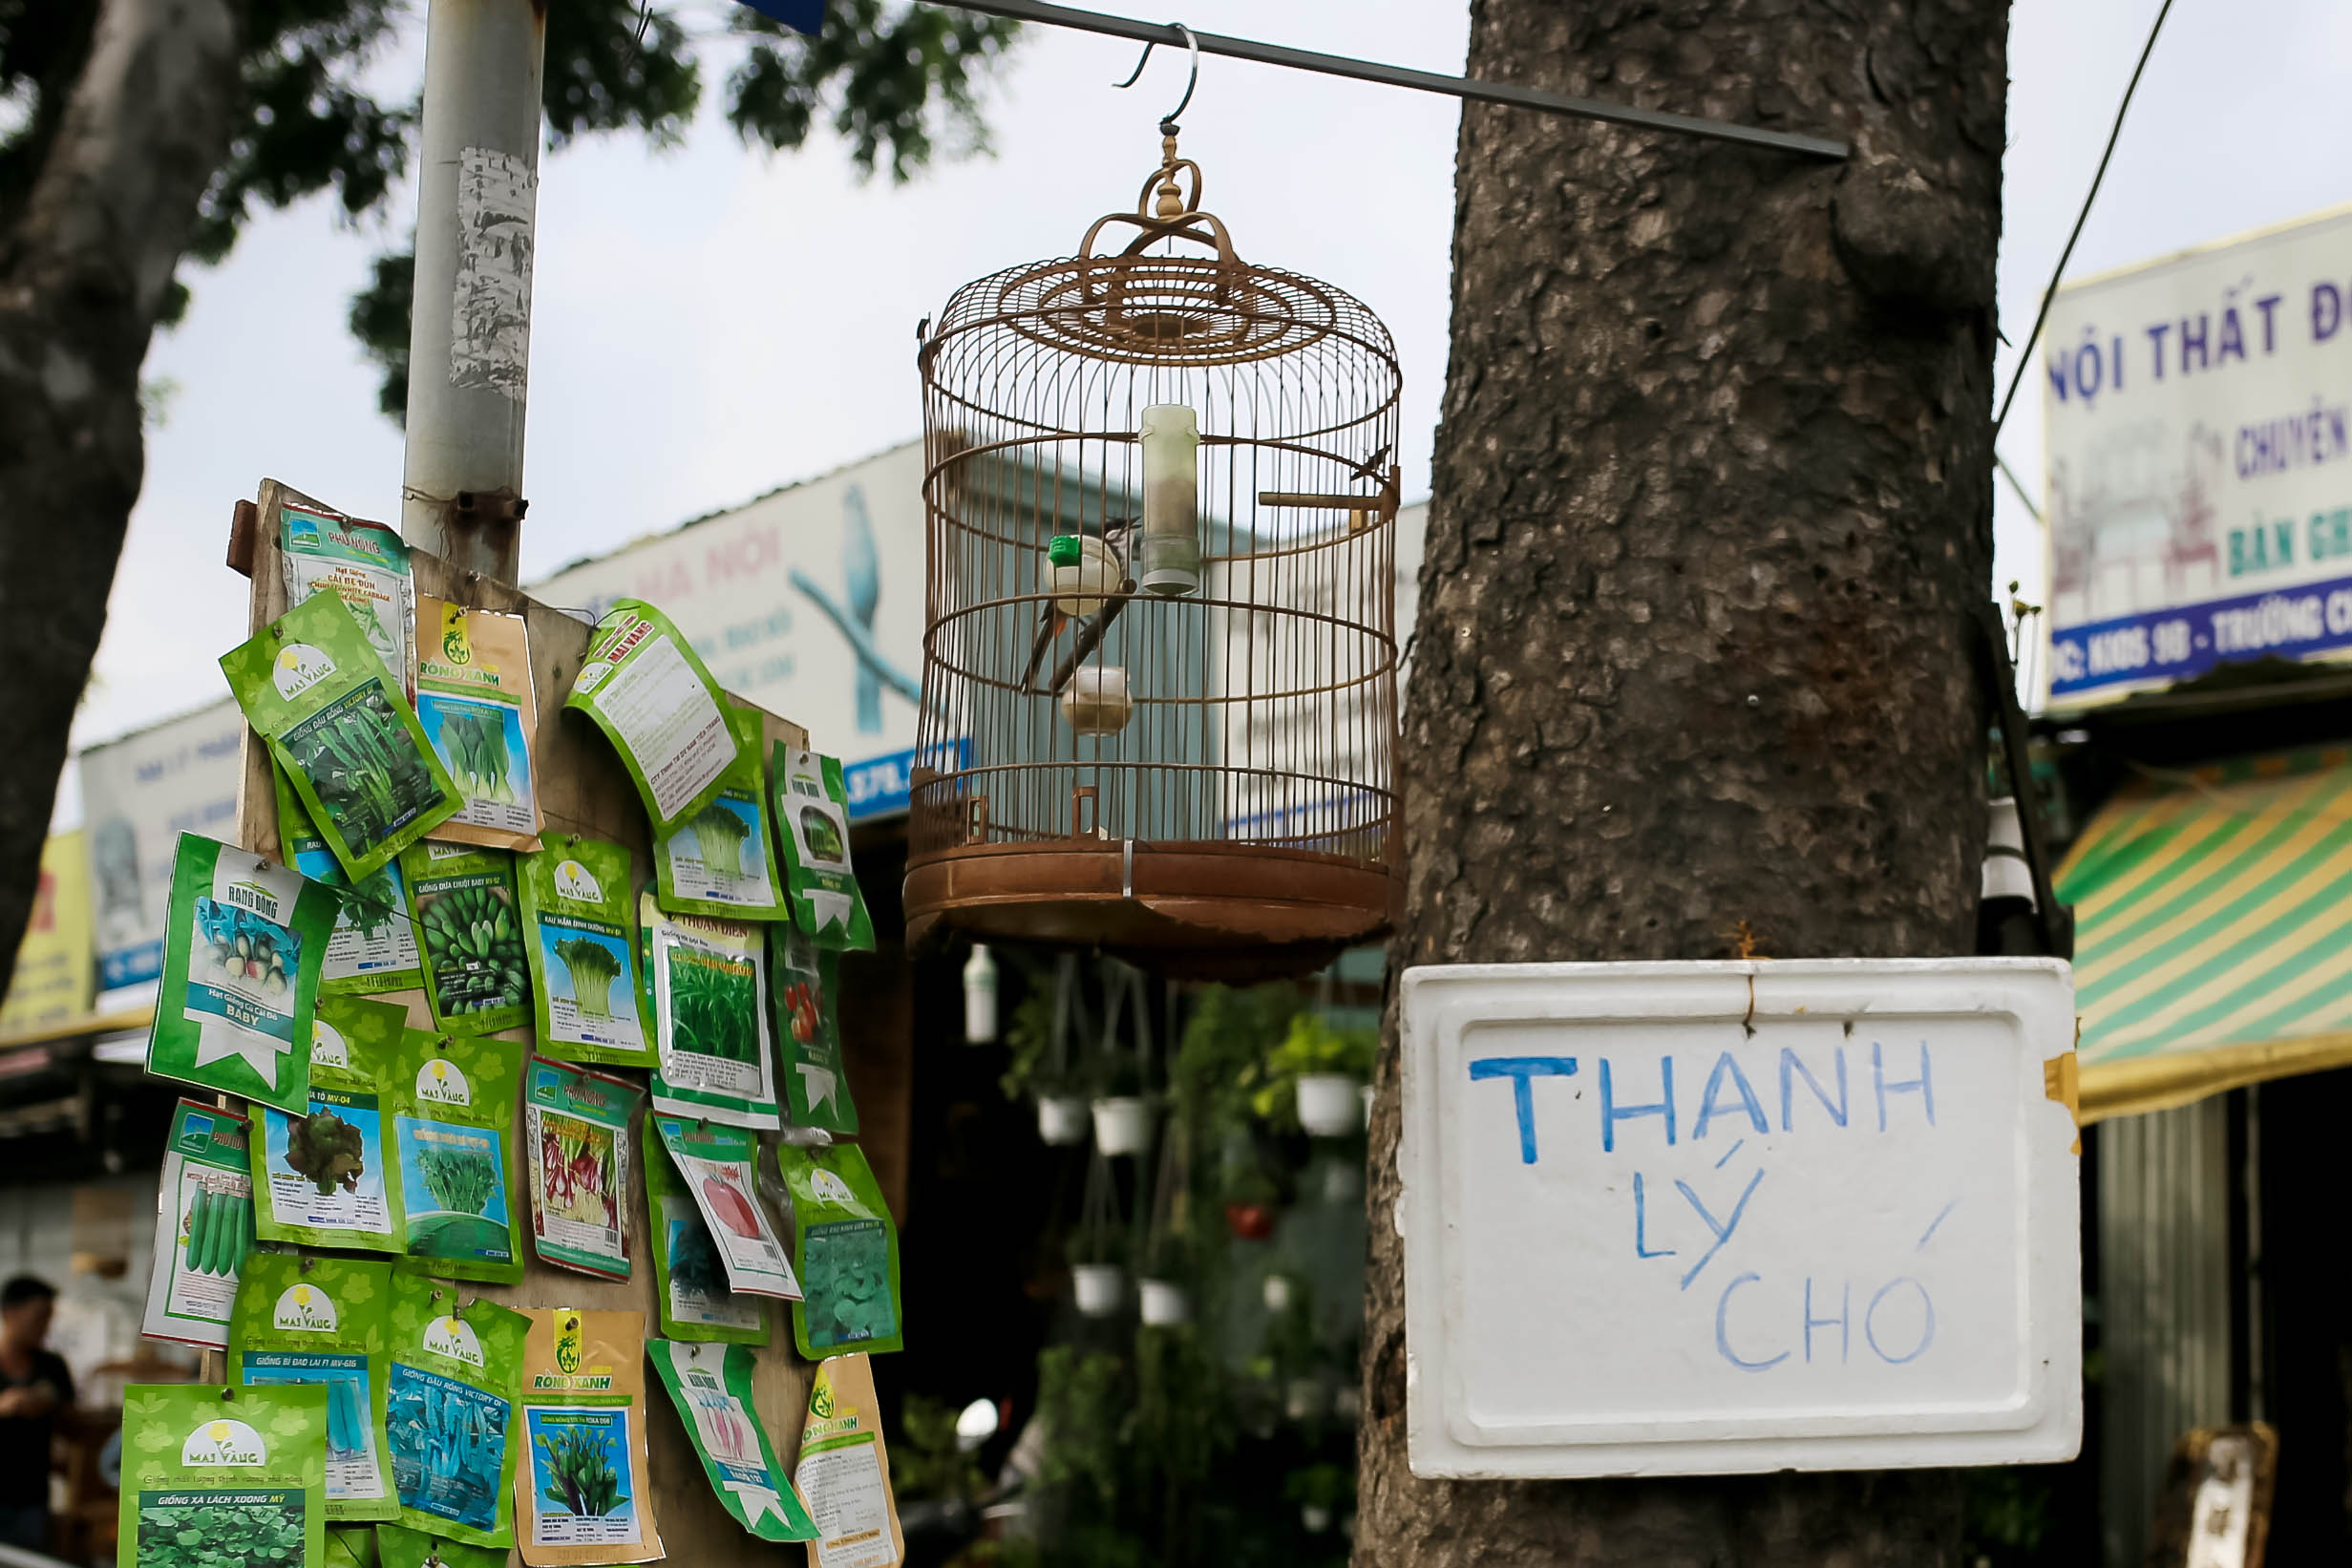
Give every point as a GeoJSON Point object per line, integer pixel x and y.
{"type": "Point", "coordinates": [582, 789]}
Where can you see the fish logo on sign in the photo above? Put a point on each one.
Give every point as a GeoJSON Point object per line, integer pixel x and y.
{"type": "Point", "coordinates": [573, 881]}
{"type": "Point", "coordinates": [443, 1084]}
{"type": "Point", "coordinates": [328, 1047]}
{"type": "Point", "coordinates": [306, 1309]}
{"type": "Point", "coordinates": [300, 667]}
{"type": "Point", "coordinates": [454, 1337]}
{"type": "Point", "coordinates": [224, 1442]}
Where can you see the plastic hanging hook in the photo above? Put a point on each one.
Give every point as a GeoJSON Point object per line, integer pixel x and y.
{"type": "Point", "coordinates": [1168, 121]}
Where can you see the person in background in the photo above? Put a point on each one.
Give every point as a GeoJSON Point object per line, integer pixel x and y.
{"type": "Point", "coordinates": [35, 1390]}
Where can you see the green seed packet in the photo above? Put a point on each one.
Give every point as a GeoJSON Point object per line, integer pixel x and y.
{"type": "Point", "coordinates": [204, 1226]}
{"type": "Point", "coordinates": [709, 992]}
{"type": "Point", "coordinates": [647, 689]}
{"type": "Point", "coordinates": [352, 1546]}
{"type": "Point", "coordinates": [452, 1108]}
{"type": "Point", "coordinates": [803, 977]}
{"type": "Point", "coordinates": [321, 1178]}
{"type": "Point", "coordinates": [450, 1417]}
{"type": "Point", "coordinates": [372, 947]}
{"type": "Point", "coordinates": [719, 1167]}
{"type": "Point", "coordinates": [848, 1253]}
{"type": "Point", "coordinates": [468, 923]}
{"type": "Point", "coordinates": [691, 1293]}
{"type": "Point", "coordinates": [321, 1320]}
{"type": "Point", "coordinates": [398, 1547]}
{"type": "Point", "coordinates": [712, 1387]}
{"type": "Point", "coordinates": [577, 917]}
{"type": "Point", "coordinates": [812, 814]}
{"type": "Point", "coordinates": [722, 861]}
{"type": "Point", "coordinates": [366, 562]}
{"type": "Point", "coordinates": [241, 949]}
{"type": "Point", "coordinates": [215, 1475]}
{"type": "Point", "coordinates": [576, 1126]}
{"type": "Point", "coordinates": [584, 1495]}
{"type": "Point", "coordinates": [474, 701]}
{"type": "Point", "coordinates": [335, 719]}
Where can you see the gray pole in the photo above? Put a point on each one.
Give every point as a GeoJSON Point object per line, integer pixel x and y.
{"type": "Point", "coordinates": [470, 327]}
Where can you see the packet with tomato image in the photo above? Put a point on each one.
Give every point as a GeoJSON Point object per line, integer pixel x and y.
{"type": "Point", "coordinates": [802, 979]}
{"type": "Point", "coordinates": [718, 1165]}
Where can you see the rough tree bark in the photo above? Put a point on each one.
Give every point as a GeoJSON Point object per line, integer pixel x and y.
{"type": "Point", "coordinates": [83, 272]}
{"type": "Point", "coordinates": [1712, 498]}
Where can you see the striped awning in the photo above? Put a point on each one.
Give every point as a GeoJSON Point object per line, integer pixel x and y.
{"type": "Point", "coordinates": [2213, 930]}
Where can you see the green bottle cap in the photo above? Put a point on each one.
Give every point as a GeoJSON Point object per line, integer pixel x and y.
{"type": "Point", "coordinates": [1065, 550]}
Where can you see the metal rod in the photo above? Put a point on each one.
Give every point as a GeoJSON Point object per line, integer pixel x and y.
{"type": "Point", "coordinates": [470, 327]}
{"type": "Point", "coordinates": [1423, 81]}
{"type": "Point", "coordinates": [1316, 502]}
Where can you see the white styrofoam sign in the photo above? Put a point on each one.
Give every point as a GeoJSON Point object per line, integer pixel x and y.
{"type": "Point", "coordinates": [1708, 1217]}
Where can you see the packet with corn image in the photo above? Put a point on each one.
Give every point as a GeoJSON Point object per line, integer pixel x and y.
{"type": "Point", "coordinates": [335, 719]}
{"type": "Point", "coordinates": [213, 1477]}
{"type": "Point", "coordinates": [451, 1420]}
{"type": "Point", "coordinates": [373, 946]}
{"type": "Point", "coordinates": [811, 816]}
{"type": "Point", "coordinates": [453, 1104]}
{"type": "Point", "coordinates": [846, 1250]}
{"type": "Point", "coordinates": [474, 701]}
{"type": "Point", "coordinates": [576, 922]}
{"type": "Point", "coordinates": [476, 967]}
{"type": "Point", "coordinates": [204, 1226]}
{"type": "Point", "coordinates": [646, 688]}
{"type": "Point", "coordinates": [722, 859]}
{"type": "Point", "coordinates": [581, 1493]}
{"type": "Point", "coordinates": [321, 1178]}
{"type": "Point", "coordinates": [710, 1385]}
{"type": "Point", "coordinates": [322, 1320]}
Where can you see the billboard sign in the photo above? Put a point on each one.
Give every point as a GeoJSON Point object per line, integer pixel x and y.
{"type": "Point", "coordinates": [139, 793]}
{"type": "Point", "coordinates": [50, 982]}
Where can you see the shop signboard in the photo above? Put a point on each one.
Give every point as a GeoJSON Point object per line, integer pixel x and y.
{"type": "Point", "coordinates": [2198, 419]}
{"type": "Point", "coordinates": [139, 793]}
{"type": "Point", "coordinates": [52, 980]}
{"type": "Point", "coordinates": [1713, 1217]}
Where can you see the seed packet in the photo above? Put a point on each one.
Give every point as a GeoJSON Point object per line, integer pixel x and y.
{"type": "Point", "coordinates": [321, 1320]}
{"type": "Point", "coordinates": [352, 1546]}
{"type": "Point", "coordinates": [214, 1475]}
{"type": "Point", "coordinates": [450, 1423]}
{"type": "Point", "coordinates": [477, 973]}
{"type": "Point", "coordinates": [576, 1125]}
{"type": "Point", "coordinates": [722, 860]}
{"type": "Point", "coordinates": [372, 947]}
{"type": "Point", "coordinates": [366, 562]}
{"type": "Point", "coordinates": [453, 1104]}
{"type": "Point", "coordinates": [709, 985]}
{"type": "Point", "coordinates": [475, 700]}
{"type": "Point", "coordinates": [847, 1251]}
{"type": "Point", "coordinates": [712, 1387]}
{"type": "Point", "coordinates": [584, 1495]}
{"type": "Point", "coordinates": [691, 1293]}
{"type": "Point", "coordinates": [576, 905]}
{"type": "Point", "coordinates": [718, 1166]}
{"type": "Point", "coordinates": [647, 689]}
{"type": "Point", "coordinates": [844, 1471]}
{"type": "Point", "coordinates": [204, 1226]}
{"type": "Point", "coordinates": [400, 1547]}
{"type": "Point", "coordinates": [241, 975]}
{"type": "Point", "coordinates": [337, 721]}
{"type": "Point", "coordinates": [808, 1032]}
{"type": "Point", "coordinates": [812, 814]}
{"type": "Point", "coordinates": [319, 1178]}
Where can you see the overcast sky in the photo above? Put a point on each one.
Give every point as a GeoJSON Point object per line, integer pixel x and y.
{"type": "Point", "coordinates": [712, 322]}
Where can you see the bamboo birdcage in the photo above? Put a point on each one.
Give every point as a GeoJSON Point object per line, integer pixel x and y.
{"type": "Point", "coordinates": [1188, 762]}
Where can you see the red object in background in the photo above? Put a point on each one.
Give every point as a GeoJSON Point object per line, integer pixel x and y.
{"type": "Point", "coordinates": [1250, 1221]}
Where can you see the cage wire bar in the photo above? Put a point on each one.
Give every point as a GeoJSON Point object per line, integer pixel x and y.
{"type": "Point", "coordinates": [1201, 781]}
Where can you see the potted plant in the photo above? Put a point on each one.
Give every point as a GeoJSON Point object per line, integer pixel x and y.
{"type": "Point", "coordinates": [1251, 1200]}
{"type": "Point", "coordinates": [1161, 1294]}
{"type": "Point", "coordinates": [1321, 1071]}
{"type": "Point", "coordinates": [1034, 1070]}
{"type": "Point", "coordinates": [1322, 1493]}
{"type": "Point", "coordinates": [1098, 1272]}
{"type": "Point", "coordinates": [1122, 1112]}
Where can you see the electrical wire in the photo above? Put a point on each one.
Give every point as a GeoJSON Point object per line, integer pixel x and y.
{"type": "Point", "coordinates": [2025, 354]}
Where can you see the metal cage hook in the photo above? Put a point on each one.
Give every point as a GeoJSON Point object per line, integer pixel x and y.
{"type": "Point", "coordinates": [1168, 120]}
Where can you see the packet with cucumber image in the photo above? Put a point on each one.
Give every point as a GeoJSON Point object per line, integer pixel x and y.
{"type": "Point", "coordinates": [453, 1104]}
{"type": "Point", "coordinates": [691, 1292]}
{"type": "Point", "coordinates": [576, 1128]}
{"type": "Point", "coordinates": [577, 917]}
{"type": "Point", "coordinates": [322, 1321]}
{"type": "Point", "coordinates": [645, 687]}
{"type": "Point", "coordinates": [213, 1477]}
{"type": "Point", "coordinates": [808, 1032]}
{"type": "Point", "coordinates": [241, 949]}
{"type": "Point", "coordinates": [581, 1492]}
{"type": "Point", "coordinates": [451, 1422]}
{"type": "Point", "coordinates": [336, 720]}
{"type": "Point", "coordinates": [477, 970]}
{"type": "Point", "coordinates": [320, 1179]}
{"type": "Point", "coordinates": [718, 1166]}
{"type": "Point", "coordinates": [365, 562]}
{"type": "Point", "coordinates": [709, 990]}
{"type": "Point", "coordinates": [473, 698]}
{"type": "Point", "coordinates": [846, 1249]}
{"type": "Point", "coordinates": [204, 1226]}
{"type": "Point", "coordinates": [372, 947]}
{"type": "Point", "coordinates": [710, 1385]}
{"type": "Point", "coordinates": [811, 814]}
{"type": "Point", "coordinates": [722, 861]}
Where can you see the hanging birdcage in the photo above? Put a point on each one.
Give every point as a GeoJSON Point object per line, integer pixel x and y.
{"type": "Point", "coordinates": [1159, 663]}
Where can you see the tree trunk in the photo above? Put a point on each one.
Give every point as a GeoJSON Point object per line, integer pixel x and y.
{"type": "Point", "coordinates": [82, 276]}
{"type": "Point", "coordinates": [1713, 502]}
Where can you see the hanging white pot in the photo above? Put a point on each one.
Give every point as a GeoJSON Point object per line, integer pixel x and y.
{"type": "Point", "coordinates": [1163, 1302]}
{"type": "Point", "coordinates": [1061, 1119]}
{"type": "Point", "coordinates": [1329, 1104]}
{"type": "Point", "coordinates": [1306, 1399]}
{"type": "Point", "coordinates": [1123, 1124]}
{"type": "Point", "coordinates": [1276, 1293]}
{"type": "Point", "coordinates": [1315, 1517]}
{"type": "Point", "coordinates": [1097, 1287]}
